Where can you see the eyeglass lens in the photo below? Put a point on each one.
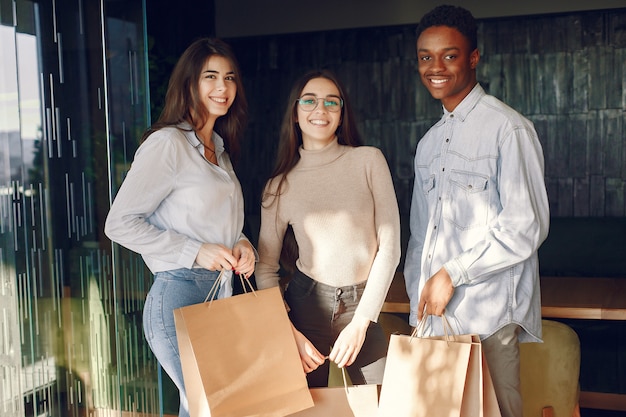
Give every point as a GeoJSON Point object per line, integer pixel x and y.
{"type": "Point", "coordinates": [308, 102]}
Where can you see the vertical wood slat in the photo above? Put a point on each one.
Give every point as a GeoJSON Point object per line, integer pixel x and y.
{"type": "Point", "coordinates": [547, 79]}
{"type": "Point", "coordinates": [602, 67]}
{"type": "Point", "coordinates": [581, 197]}
{"type": "Point", "coordinates": [490, 74]}
{"type": "Point", "coordinates": [578, 147]}
{"type": "Point", "coordinates": [580, 81]}
{"type": "Point", "coordinates": [611, 124]}
{"type": "Point", "coordinates": [596, 144]}
{"type": "Point", "coordinates": [593, 30]}
{"type": "Point", "coordinates": [565, 197]}
{"type": "Point", "coordinates": [597, 196]}
{"type": "Point", "coordinates": [617, 30]}
{"type": "Point", "coordinates": [620, 56]}
{"type": "Point", "coordinates": [614, 197]}
{"type": "Point", "coordinates": [546, 128]}
{"type": "Point", "coordinates": [552, 189]}
{"type": "Point", "coordinates": [563, 82]}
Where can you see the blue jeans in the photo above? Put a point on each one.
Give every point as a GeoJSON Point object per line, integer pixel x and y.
{"type": "Point", "coordinates": [321, 312]}
{"type": "Point", "coordinates": [171, 290]}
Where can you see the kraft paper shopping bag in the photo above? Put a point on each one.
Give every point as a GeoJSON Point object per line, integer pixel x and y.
{"type": "Point", "coordinates": [354, 401]}
{"type": "Point", "coordinates": [346, 401]}
{"type": "Point", "coordinates": [423, 377]}
{"type": "Point", "coordinates": [239, 357]}
{"type": "Point", "coordinates": [479, 398]}
{"type": "Point", "coordinates": [440, 376]}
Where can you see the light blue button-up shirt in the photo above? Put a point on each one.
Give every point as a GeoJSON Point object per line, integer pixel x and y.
{"type": "Point", "coordinates": [173, 200]}
{"type": "Point", "coordinates": [480, 209]}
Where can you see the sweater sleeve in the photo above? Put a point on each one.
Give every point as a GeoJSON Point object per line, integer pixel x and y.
{"type": "Point", "coordinates": [387, 226]}
{"type": "Point", "coordinates": [271, 237]}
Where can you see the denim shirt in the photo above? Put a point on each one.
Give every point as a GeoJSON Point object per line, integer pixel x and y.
{"type": "Point", "coordinates": [480, 209]}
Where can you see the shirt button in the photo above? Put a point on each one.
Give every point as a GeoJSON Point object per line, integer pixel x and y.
{"type": "Point", "coordinates": [447, 139]}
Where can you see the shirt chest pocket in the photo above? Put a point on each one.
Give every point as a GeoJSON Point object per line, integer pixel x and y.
{"type": "Point", "coordinates": [467, 205]}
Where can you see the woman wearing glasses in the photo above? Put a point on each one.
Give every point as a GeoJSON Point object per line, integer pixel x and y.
{"type": "Point", "coordinates": [339, 200]}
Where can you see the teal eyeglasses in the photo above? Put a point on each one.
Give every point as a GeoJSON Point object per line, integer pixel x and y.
{"type": "Point", "coordinates": [308, 102]}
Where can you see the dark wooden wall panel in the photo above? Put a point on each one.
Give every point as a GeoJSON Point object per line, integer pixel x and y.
{"type": "Point", "coordinates": [597, 196]}
{"type": "Point", "coordinates": [578, 147]}
{"type": "Point", "coordinates": [563, 206]}
{"type": "Point", "coordinates": [580, 81]}
{"type": "Point", "coordinates": [613, 133]}
{"type": "Point", "coordinates": [564, 72]}
{"type": "Point", "coordinates": [615, 196]}
{"type": "Point", "coordinates": [581, 197]}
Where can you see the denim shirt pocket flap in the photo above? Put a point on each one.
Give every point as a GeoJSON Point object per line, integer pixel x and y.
{"type": "Point", "coordinates": [469, 182]}
{"type": "Point", "coordinates": [428, 184]}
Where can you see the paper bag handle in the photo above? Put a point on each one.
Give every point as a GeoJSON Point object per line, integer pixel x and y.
{"type": "Point", "coordinates": [418, 331]}
{"type": "Point", "coordinates": [214, 288]}
{"type": "Point", "coordinates": [345, 382]}
{"type": "Point", "coordinates": [245, 281]}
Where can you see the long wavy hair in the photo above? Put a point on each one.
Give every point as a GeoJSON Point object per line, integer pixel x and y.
{"type": "Point", "coordinates": [183, 102]}
{"type": "Point", "coordinates": [288, 155]}
{"type": "Point", "coordinates": [290, 138]}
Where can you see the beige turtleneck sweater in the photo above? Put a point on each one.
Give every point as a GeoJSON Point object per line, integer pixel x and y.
{"type": "Point", "coordinates": [342, 206]}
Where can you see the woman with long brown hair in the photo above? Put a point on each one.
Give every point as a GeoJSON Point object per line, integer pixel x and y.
{"type": "Point", "coordinates": [181, 204]}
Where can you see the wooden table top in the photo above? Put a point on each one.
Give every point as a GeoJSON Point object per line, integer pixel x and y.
{"type": "Point", "coordinates": [594, 298]}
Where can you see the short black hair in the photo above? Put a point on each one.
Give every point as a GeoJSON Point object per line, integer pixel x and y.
{"type": "Point", "coordinates": [452, 16]}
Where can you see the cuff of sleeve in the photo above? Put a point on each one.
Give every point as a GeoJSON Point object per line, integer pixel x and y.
{"type": "Point", "coordinates": [413, 318]}
{"type": "Point", "coordinates": [189, 253]}
{"type": "Point", "coordinates": [256, 254]}
{"type": "Point", "coordinates": [369, 315]}
{"type": "Point", "coordinates": [456, 272]}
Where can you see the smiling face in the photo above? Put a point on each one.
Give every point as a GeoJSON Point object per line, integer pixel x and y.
{"type": "Point", "coordinates": [217, 87]}
{"type": "Point", "coordinates": [318, 126]}
{"type": "Point", "coordinates": [446, 64]}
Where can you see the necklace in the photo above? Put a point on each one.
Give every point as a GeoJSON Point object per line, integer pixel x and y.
{"type": "Point", "coordinates": [211, 157]}
{"type": "Point", "coordinates": [203, 144]}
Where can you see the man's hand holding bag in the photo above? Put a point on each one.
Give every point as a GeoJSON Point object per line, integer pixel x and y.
{"type": "Point", "coordinates": [437, 376]}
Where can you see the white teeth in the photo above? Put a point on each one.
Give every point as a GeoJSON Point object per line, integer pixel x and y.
{"type": "Point", "coordinates": [438, 81]}
{"type": "Point", "coordinates": [218, 99]}
{"type": "Point", "coordinates": [319, 122]}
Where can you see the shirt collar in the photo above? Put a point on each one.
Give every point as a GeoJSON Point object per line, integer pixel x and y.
{"type": "Point", "coordinates": [193, 140]}
{"type": "Point", "coordinates": [464, 108]}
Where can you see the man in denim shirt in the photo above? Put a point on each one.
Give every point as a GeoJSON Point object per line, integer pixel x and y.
{"type": "Point", "coordinates": [479, 210]}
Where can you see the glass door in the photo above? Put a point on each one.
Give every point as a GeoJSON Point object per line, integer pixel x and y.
{"type": "Point", "coordinates": [73, 101]}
